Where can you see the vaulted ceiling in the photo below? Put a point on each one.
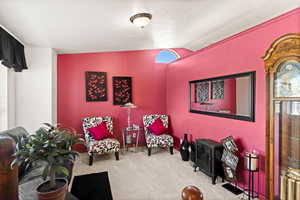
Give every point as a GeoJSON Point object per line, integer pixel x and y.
{"type": "Point", "coordinates": [103, 25]}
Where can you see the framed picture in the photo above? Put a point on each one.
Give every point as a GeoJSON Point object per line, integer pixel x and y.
{"type": "Point", "coordinates": [202, 92]}
{"type": "Point", "coordinates": [229, 144]}
{"type": "Point", "coordinates": [217, 89]}
{"type": "Point", "coordinates": [96, 87]}
{"type": "Point", "coordinates": [230, 159]}
{"type": "Point", "coordinates": [230, 174]}
{"type": "Point", "coordinates": [122, 90]}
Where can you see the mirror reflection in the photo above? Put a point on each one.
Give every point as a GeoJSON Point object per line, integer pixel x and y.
{"type": "Point", "coordinates": [230, 96]}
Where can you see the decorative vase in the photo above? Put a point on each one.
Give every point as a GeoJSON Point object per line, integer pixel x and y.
{"type": "Point", "coordinates": [184, 148]}
{"type": "Point", "coordinates": [191, 193]}
{"type": "Point", "coordinates": [57, 194]}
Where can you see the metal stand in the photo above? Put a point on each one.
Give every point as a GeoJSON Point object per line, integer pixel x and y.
{"type": "Point", "coordinates": [130, 132]}
{"type": "Point", "coordinates": [251, 194]}
{"type": "Point", "coordinates": [128, 117]}
{"type": "Point", "coordinates": [250, 190]}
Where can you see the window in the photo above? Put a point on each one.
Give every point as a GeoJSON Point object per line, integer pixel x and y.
{"type": "Point", "coordinates": [166, 56]}
{"type": "Point", "coordinates": [3, 98]}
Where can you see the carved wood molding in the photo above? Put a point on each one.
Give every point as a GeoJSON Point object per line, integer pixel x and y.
{"type": "Point", "coordinates": [287, 46]}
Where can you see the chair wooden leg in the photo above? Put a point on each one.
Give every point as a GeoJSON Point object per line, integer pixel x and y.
{"type": "Point", "coordinates": [117, 155]}
{"type": "Point", "coordinates": [91, 159]}
{"type": "Point", "coordinates": [149, 151]}
{"type": "Point", "coordinates": [171, 151]}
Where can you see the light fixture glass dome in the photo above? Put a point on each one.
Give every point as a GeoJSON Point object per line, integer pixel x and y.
{"type": "Point", "coordinates": [141, 19]}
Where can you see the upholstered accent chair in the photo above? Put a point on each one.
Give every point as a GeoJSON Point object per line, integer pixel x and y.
{"type": "Point", "coordinates": [108, 145]}
{"type": "Point", "coordinates": [164, 140]}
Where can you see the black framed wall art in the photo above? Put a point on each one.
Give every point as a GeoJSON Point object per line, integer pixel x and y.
{"type": "Point", "coordinates": [202, 92]}
{"type": "Point", "coordinates": [122, 90]}
{"type": "Point", "coordinates": [96, 86]}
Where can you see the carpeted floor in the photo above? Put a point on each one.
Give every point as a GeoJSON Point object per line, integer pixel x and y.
{"type": "Point", "coordinates": [159, 177]}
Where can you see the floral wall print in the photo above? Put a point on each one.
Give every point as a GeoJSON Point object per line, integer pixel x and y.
{"type": "Point", "coordinates": [122, 90]}
{"type": "Point", "coordinates": [96, 87]}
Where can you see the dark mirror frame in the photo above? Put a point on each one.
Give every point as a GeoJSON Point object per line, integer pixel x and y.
{"type": "Point", "coordinates": [250, 118]}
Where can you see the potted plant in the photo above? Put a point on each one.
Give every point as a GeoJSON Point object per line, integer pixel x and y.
{"type": "Point", "coordinates": [52, 146]}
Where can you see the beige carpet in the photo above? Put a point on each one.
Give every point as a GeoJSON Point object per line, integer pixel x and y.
{"type": "Point", "coordinates": [159, 177]}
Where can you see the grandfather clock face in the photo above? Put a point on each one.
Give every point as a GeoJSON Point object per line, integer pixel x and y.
{"type": "Point", "coordinates": [287, 79]}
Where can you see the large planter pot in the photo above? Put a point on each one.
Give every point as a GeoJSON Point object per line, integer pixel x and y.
{"type": "Point", "coordinates": [56, 194]}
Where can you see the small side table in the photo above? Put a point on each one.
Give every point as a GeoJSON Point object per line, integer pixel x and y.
{"type": "Point", "coordinates": [131, 137]}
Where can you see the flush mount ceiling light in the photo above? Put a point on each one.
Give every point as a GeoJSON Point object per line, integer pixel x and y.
{"type": "Point", "coordinates": [141, 19]}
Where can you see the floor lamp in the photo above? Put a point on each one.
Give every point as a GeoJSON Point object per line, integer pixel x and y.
{"type": "Point", "coordinates": [129, 106]}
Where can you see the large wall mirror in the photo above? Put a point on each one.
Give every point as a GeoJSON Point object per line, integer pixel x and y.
{"type": "Point", "coordinates": [230, 96]}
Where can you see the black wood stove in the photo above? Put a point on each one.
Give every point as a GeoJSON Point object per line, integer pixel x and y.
{"type": "Point", "coordinates": [208, 158]}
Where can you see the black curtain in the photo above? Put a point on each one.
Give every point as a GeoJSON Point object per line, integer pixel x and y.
{"type": "Point", "coordinates": [11, 52]}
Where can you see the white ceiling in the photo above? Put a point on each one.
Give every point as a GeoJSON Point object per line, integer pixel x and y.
{"type": "Point", "coordinates": [103, 25]}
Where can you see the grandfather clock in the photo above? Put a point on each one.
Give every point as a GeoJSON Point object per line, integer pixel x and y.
{"type": "Point", "coordinates": [282, 64]}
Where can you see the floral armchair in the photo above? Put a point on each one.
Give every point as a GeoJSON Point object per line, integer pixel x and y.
{"type": "Point", "coordinates": [164, 140]}
{"type": "Point", "coordinates": [108, 145]}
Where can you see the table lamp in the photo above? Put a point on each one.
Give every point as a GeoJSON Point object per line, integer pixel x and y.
{"type": "Point", "coordinates": [251, 161]}
{"type": "Point", "coordinates": [129, 106]}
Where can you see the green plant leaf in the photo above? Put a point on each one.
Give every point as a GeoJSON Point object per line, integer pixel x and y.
{"type": "Point", "coordinates": [15, 161]}
{"type": "Point", "coordinates": [51, 144]}
{"type": "Point", "coordinates": [64, 170]}
{"type": "Point", "coordinates": [48, 125]}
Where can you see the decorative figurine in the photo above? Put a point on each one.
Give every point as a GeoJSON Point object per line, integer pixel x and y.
{"type": "Point", "coordinates": [191, 193]}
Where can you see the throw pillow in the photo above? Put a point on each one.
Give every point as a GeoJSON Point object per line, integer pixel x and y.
{"type": "Point", "coordinates": [157, 128]}
{"type": "Point", "coordinates": [99, 132]}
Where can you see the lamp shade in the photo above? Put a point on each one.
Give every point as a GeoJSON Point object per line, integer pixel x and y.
{"type": "Point", "coordinates": [129, 105]}
{"type": "Point", "coordinates": [251, 161]}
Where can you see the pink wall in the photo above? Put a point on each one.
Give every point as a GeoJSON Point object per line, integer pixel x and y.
{"type": "Point", "coordinates": [148, 79]}
{"type": "Point", "coordinates": [239, 53]}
